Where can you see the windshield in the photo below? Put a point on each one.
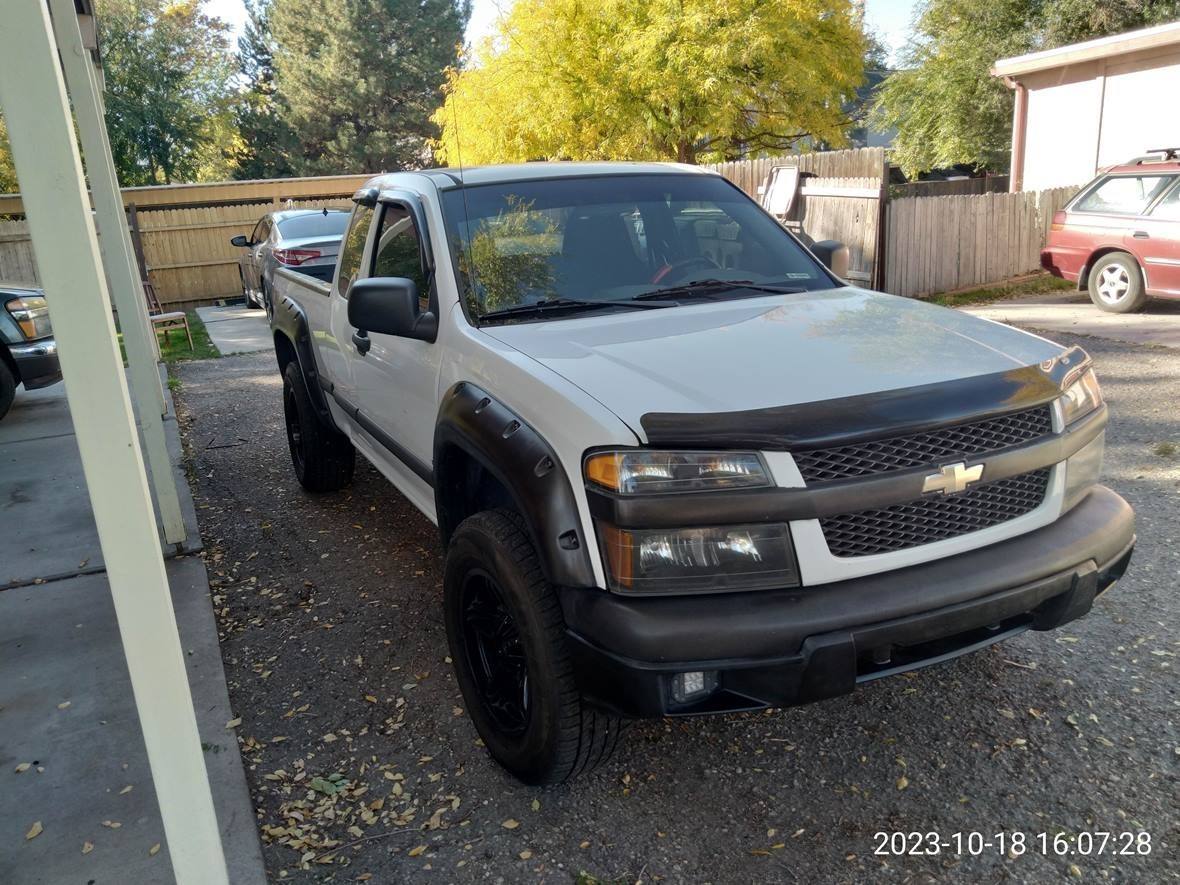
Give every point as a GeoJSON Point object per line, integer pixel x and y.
{"type": "Point", "coordinates": [612, 238]}
{"type": "Point", "coordinates": [315, 224]}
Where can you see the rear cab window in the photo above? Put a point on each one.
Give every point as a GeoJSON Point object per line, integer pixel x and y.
{"type": "Point", "coordinates": [1123, 194]}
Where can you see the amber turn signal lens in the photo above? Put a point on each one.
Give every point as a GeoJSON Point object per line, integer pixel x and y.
{"type": "Point", "coordinates": [604, 469]}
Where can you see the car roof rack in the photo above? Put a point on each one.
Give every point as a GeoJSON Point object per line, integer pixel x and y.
{"type": "Point", "coordinates": [1158, 155]}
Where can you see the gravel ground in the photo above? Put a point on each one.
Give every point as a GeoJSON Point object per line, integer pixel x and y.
{"type": "Point", "coordinates": [364, 767]}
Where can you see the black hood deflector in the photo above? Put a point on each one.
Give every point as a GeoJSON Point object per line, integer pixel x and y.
{"type": "Point", "coordinates": [871, 415]}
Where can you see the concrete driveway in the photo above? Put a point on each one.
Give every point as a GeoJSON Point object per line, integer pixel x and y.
{"type": "Point", "coordinates": [1072, 312]}
{"type": "Point", "coordinates": [236, 328]}
{"type": "Point", "coordinates": [73, 766]}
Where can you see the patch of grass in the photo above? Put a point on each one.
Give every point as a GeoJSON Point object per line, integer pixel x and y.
{"type": "Point", "coordinates": [174, 344]}
{"type": "Point", "coordinates": [174, 384]}
{"type": "Point", "coordinates": [1165, 449]}
{"type": "Point", "coordinates": [1033, 286]}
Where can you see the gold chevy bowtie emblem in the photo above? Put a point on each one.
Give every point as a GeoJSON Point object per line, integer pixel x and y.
{"type": "Point", "coordinates": [952, 478]}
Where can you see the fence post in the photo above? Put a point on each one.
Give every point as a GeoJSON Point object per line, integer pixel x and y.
{"type": "Point", "coordinates": [879, 256]}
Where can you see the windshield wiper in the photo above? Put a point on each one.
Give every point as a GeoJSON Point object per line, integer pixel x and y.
{"type": "Point", "coordinates": [570, 304]}
{"type": "Point", "coordinates": [710, 287]}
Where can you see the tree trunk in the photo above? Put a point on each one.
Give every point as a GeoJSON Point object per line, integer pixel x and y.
{"type": "Point", "coordinates": [685, 152]}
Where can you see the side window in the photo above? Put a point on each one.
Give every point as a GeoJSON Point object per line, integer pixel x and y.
{"type": "Point", "coordinates": [397, 252]}
{"type": "Point", "coordinates": [1169, 207]}
{"type": "Point", "coordinates": [260, 231]}
{"type": "Point", "coordinates": [353, 248]}
{"type": "Point", "coordinates": [1123, 194]}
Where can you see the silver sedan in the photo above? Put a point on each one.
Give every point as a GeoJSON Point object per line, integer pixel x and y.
{"type": "Point", "coordinates": [305, 240]}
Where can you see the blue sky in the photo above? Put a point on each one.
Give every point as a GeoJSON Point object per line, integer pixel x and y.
{"type": "Point", "coordinates": [890, 18]}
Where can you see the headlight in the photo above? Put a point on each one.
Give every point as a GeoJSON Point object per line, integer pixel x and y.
{"type": "Point", "coordinates": [31, 314]}
{"type": "Point", "coordinates": [725, 558]}
{"type": "Point", "coordinates": [640, 472]}
{"type": "Point", "coordinates": [1081, 398]}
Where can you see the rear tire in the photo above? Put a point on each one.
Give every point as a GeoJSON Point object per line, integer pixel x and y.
{"type": "Point", "coordinates": [1116, 284]}
{"type": "Point", "coordinates": [507, 640]}
{"type": "Point", "coordinates": [324, 459]}
{"type": "Point", "coordinates": [7, 389]}
{"type": "Point", "coordinates": [247, 295]}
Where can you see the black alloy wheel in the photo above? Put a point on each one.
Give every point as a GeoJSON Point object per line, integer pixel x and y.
{"type": "Point", "coordinates": [496, 654]}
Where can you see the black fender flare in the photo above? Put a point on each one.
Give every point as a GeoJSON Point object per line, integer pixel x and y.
{"type": "Point", "coordinates": [527, 466]}
{"type": "Point", "coordinates": [290, 321]}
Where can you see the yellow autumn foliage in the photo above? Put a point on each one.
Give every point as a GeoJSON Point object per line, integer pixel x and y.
{"type": "Point", "coordinates": [686, 80]}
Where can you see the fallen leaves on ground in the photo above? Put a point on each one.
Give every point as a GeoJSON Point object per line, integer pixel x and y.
{"type": "Point", "coordinates": [34, 830]}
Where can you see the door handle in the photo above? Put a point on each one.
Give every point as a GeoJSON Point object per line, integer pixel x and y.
{"type": "Point", "coordinates": [361, 341]}
{"type": "Point", "coordinates": [1141, 235]}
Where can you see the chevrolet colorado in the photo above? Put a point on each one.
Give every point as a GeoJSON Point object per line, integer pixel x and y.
{"type": "Point", "coordinates": [677, 465]}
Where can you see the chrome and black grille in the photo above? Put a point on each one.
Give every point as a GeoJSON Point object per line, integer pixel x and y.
{"type": "Point", "coordinates": [933, 447]}
{"type": "Point", "coordinates": [935, 517]}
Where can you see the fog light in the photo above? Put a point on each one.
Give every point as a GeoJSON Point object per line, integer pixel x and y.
{"type": "Point", "coordinates": [693, 685]}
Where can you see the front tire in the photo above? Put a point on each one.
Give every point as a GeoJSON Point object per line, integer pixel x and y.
{"type": "Point", "coordinates": [507, 640]}
{"type": "Point", "coordinates": [1116, 284]}
{"type": "Point", "coordinates": [324, 459]}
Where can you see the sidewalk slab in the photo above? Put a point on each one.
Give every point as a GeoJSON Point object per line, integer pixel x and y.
{"type": "Point", "coordinates": [66, 707]}
{"type": "Point", "coordinates": [237, 329]}
{"type": "Point", "coordinates": [66, 703]}
{"type": "Point", "coordinates": [1072, 312]}
{"type": "Point", "coordinates": [47, 530]}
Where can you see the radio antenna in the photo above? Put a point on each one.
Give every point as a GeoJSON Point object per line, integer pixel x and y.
{"type": "Point", "coordinates": [462, 177]}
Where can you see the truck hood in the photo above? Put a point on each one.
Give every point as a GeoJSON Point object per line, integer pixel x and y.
{"type": "Point", "coordinates": [779, 350]}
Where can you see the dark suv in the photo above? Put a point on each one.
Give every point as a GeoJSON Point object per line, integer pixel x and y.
{"type": "Point", "coordinates": [1119, 238]}
{"type": "Point", "coordinates": [28, 353]}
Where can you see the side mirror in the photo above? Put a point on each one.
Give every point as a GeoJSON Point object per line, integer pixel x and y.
{"type": "Point", "coordinates": [389, 306]}
{"type": "Point", "coordinates": [833, 255]}
{"type": "Point", "coordinates": [241, 241]}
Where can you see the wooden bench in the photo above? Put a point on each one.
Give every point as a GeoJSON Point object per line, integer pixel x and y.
{"type": "Point", "coordinates": [165, 321]}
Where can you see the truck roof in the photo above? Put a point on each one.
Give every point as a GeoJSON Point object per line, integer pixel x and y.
{"type": "Point", "coordinates": [446, 178]}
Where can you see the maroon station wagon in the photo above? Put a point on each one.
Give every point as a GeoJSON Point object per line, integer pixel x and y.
{"type": "Point", "coordinates": [1119, 238]}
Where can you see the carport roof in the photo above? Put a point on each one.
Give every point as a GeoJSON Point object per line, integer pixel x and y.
{"type": "Point", "coordinates": [1076, 53]}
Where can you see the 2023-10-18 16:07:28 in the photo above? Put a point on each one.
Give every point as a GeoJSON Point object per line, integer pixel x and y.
{"type": "Point", "coordinates": [974, 843]}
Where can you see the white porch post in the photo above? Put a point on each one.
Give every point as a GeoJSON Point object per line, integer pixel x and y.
{"type": "Point", "coordinates": [40, 128]}
{"type": "Point", "coordinates": [120, 264]}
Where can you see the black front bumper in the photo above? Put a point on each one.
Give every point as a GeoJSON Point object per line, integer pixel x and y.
{"type": "Point", "coordinates": [784, 647]}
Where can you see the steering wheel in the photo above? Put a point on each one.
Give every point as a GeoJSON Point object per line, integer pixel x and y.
{"type": "Point", "coordinates": [676, 270]}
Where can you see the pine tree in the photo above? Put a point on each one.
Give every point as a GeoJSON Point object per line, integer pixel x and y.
{"type": "Point", "coordinates": [359, 79]}
{"type": "Point", "coordinates": [268, 146]}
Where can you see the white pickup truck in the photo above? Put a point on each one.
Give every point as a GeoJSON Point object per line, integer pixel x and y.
{"type": "Point", "coordinates": [678, 466]}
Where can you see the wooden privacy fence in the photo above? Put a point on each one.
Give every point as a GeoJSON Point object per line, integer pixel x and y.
{"type": "Point", "coordinates": [936, 244]}
{"type": "Point", "coordinates": [17, 263]}
{"type": "Point", "coordinates": [844, 209]}
{"type": "Point", "coordinates": [751, 175]}
{"type": "Point", "coordinates": [929, 244]}
{"type": "Point", "coordinates": [188, 253]}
